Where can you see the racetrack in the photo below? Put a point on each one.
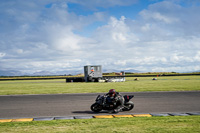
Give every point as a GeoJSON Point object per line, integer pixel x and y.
{"type": "Point", "coordinates": [79, 104]}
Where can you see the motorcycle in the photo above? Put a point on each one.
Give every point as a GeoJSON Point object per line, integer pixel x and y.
{"type": "Point", "coordinates": [103, 104]}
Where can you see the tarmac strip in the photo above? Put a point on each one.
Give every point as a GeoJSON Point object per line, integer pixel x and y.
{"type": "Point", "coordinates": [96, 117]}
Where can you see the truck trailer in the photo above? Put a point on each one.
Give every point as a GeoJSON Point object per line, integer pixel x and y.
{"type": "Point", "coordinates": [93, 73]}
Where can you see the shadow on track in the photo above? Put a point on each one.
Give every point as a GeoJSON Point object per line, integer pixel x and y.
{"type": "Point", "coordinates": [88, 112]}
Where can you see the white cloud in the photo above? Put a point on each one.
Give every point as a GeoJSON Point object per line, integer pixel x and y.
{"type": "Point", "coordinates": [197, 57]}
{"type": "Point", "coordinates": [120, 62]}
{"type": "Point", "coordinates": [157, 16]}
{"type": "Point", "coordinates": [116, 34]}
{"type": "Point", "coordinates": [103, 3]}
{"type": "Point", "coordinates": [165, 37]}
{"type": "Point", "coordinates": [2, 54]}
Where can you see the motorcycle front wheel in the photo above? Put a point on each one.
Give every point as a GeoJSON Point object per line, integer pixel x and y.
{"type": "Point", "coordinates": [96, 107]}
{"type": "Point", "coordinates": [128, 106]}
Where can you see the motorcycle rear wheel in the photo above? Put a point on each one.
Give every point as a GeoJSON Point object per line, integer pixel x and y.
{"type": "Point", "coordinates": [96, 107]}
{"type": "Point", "coordinates": [128, 106]}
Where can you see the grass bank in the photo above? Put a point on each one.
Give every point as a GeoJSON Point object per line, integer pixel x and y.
{"type": "Point", "coordinates": [180, 124]}
{"type": "Point", "coordinates": [59, 86]}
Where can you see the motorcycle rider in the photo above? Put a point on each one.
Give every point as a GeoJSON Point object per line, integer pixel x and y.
{"type": "Point", "coordinates": [115, 100]}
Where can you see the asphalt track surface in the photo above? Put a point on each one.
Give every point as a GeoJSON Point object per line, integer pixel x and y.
{"type": "Point", "coordinates": [22, 106]}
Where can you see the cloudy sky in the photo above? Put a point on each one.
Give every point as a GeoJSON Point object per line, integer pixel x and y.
{"type": "Point", "coordinates": [65, 35]}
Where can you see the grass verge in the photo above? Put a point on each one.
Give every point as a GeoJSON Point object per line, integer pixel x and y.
{"type": "Point", "coordinates": [59, 86]}
{"type": "Point", "coordinates": [180, 124]}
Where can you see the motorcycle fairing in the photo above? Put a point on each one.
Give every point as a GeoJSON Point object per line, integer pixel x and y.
{"type": "Point", "coordinates": [127, 98]}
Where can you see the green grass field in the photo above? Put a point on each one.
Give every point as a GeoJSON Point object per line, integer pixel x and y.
{"type": "Point", "coordinates": [169, 124]}
{"type": "Point", "coordinates": [180, 124]}
{"type": "Point", "coordinates": [59, 86]}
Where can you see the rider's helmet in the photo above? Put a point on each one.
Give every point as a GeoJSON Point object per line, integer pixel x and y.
{"type": "Point", "coordinates": [112, 92]}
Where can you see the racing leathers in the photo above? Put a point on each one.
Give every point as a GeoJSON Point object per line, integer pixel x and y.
{"type": "Point", "coordinates": [116, 102]}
